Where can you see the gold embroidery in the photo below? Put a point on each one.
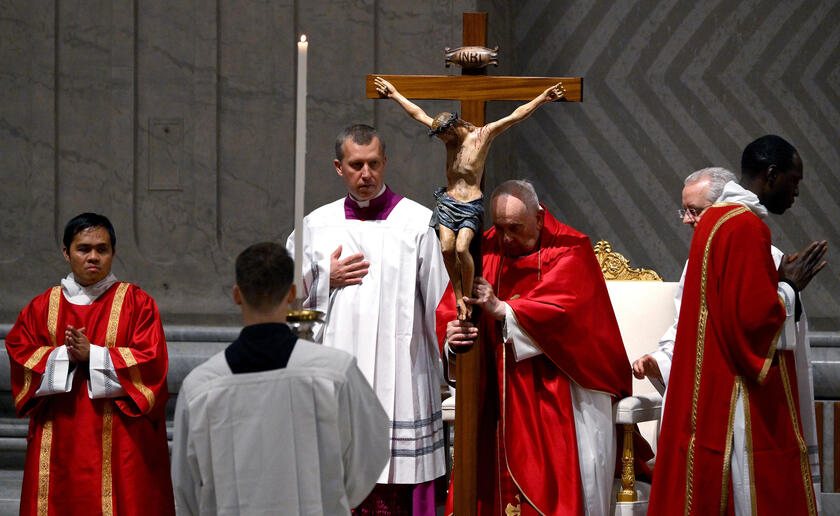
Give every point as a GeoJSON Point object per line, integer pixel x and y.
{"type": "Point", "coordinates": [52, 328]}
{"type": "Point", "coordinates": [514, 510]}
{"type": "Point", "coordinates": [114, 319]}
{"type": "Point", "coordinates": [803, 449]}
{"type": "Point", "coordinates": [52, 314]}
{"type": "Point", "coordinates": [108, 407]}
{"type": "Point", "coordinates": [111, 340]}
{"type": "Point", "coordinates": [698, 362]}
{"type": "Point", "coordinates": [107, 481]}
{"type": "Point", "coordinates": [614, 266]}
{"type": "Point", "coordinates": [727, 454]}
{"type": "Point", "coordinates": [136, 379]}
{"type": "Point", "coordinates": [44, 468]}
{"type": "Point", "coordinates": [27, 371]}
{"type": "Point", "coordinates": [762, 375]}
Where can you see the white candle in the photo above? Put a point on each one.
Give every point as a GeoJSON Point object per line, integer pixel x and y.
{"type": "Point", "coordinates": [300, 161]}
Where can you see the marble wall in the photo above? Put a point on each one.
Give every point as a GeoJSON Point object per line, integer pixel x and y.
{"type": "Point", "coordinates": [176, 119]}
{"type": "Point", "coordinates": [672, 86]}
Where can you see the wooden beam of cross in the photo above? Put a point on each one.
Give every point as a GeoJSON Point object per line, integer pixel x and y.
{"type": "Point", "coordinates": [479, 88]}
{"type": "Point", "coordinates": [473, 88]}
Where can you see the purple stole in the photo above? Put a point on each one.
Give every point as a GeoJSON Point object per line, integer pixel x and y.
{"type": "Point", "coordinates": [378, 208]}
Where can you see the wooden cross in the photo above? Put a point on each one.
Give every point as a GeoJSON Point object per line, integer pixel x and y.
{"type": "Point", "coordinates": [473, 88]}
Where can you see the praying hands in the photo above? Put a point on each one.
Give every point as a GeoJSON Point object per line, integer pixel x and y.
{"type": "Point", "coordinates": [77, 343]}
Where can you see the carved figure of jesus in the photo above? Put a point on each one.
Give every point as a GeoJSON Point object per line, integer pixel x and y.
{"type": "Point", "coordinates": [459, 206]}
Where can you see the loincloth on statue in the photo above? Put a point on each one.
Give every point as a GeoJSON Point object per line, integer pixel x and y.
{"type": "Point", "coordinates": [455, 214]}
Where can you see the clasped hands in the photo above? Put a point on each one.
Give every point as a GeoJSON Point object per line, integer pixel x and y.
{"type": "Point", "coordinates": [460, 335]}
{"type": "Point", "coordinates": [77, 344]}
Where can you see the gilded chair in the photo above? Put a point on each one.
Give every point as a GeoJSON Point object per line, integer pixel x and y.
{"type": "Point", "coordinates": [644, 308]}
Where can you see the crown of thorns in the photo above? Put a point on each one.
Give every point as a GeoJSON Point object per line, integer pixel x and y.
{"type": "Point", "coordinates": [439, 124]}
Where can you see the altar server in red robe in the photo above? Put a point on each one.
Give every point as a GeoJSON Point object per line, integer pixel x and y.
{"type": "Point", "coordinates": [88, 366]}
{"type": "Point", "coordinates": [732, 439]}
{"type": "Point", "coordinates": [550, 331]}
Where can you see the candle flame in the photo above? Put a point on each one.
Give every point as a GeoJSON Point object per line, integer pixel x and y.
{"type": "Point", "coordinates": [303, 38]}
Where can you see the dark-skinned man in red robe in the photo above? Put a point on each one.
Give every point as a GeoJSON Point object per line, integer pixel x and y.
{"type": "Point", "coordinates": [88, 365]}
{"type": "Point", "coordinates": [732, 436]}
{"type": "Point", "coordinates": [555, 354]}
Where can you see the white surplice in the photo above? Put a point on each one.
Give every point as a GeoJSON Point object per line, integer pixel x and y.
{"type": "Point", "coordinates": [387, 322]}
{"type": "Point", "coordinates": [310, 438]}
{"type": "Point", "coordinates": [665, 353]}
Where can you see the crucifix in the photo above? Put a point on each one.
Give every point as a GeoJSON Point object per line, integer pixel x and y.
{"type": "Point", "coordinates": [473, 88]}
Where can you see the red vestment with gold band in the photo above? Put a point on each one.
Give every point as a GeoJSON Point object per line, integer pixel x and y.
{"type": "Point", "coordinates": [729, 325]}
{"type": "Point", "coordinates": [94, 456]}
{"type": "Point", "coordinates": [560, 301]}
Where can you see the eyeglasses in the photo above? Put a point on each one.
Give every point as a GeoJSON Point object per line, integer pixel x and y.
{"type": "Point", "coordinates": [691, 211]}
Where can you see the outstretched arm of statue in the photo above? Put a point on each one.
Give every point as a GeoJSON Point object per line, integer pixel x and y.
{"type": "Point", "coordinates": [386, 89]}
{"type": "Point", "coordinates": [519, 114]}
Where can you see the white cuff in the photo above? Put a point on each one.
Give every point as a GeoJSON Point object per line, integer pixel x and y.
{"type": "Point", "coordinates": [787, 337]}
{"type": "Point", "coordinates": [319, 293]}
{"type": "Point", "coordinates": [523, 346]}
{"type": "Point", "coordinates": [104, 382]}
{"type": "Point", "coordinates": [450, 358]}
{"type": "Point", "coordinates": [57, 377]}
{"type": "Point", "coordinates": [663, 361]}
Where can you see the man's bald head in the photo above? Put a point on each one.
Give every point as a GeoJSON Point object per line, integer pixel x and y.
{"type": "Point", "coordinates": [522, 190]}
{"type": "Point", "coordinates": [517, 217]}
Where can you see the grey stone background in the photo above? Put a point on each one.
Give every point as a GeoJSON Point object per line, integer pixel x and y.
{"type": "Point", "coordinates": [176, 119]}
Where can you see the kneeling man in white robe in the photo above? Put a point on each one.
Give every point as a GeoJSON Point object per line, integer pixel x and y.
{"type": "Point", "coordinates": [275, 424]}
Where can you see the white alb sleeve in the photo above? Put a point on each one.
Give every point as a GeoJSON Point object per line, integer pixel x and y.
{"type": "Point", "coordinates": [186, 474]}
{"type": "Point", "coordinates": [665, 353]}
{"type": "Point", "coordinates": [523, 346]}
{"type": "Point", "coordinates": [104, 382]}
{"type": "Point", "coordinates": [57, 377]}
{"type": "Point", "coordinates": [787, 337]}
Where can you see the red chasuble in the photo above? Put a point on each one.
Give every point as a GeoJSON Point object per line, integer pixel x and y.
{"type": "Point", "coordinates": [101, 456]}
{"type": "Point", "coordinates": [729, 324]}
{"type": "Point", "coordinates": [560, 300]}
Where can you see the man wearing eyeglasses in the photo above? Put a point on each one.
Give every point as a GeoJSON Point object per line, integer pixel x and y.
{"type": "Point", "coordinates": [702, 188]}
{"type": "Point", "coordinates": [740, 420]}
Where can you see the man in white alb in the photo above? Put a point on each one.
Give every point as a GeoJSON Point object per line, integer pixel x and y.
{"type": "Point", "coordinates": [275, 424]}
{"type": "Point", "coordinates": [373, 265]}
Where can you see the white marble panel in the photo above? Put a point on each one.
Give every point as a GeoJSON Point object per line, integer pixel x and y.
{"type": "Point", "coordinates": [256, 121]}
{"type": "Point", "coordinates": [166, 203]}
{"type": "Point", "coordinates": [30, 253]}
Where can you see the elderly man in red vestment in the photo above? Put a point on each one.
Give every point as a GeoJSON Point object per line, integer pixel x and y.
{"type": "Point", "coordinates": [555, 354]}
{"type": "Point", "coordinates": [88, 363]}
{"type": "Point", "coordinates": [732, 439]}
